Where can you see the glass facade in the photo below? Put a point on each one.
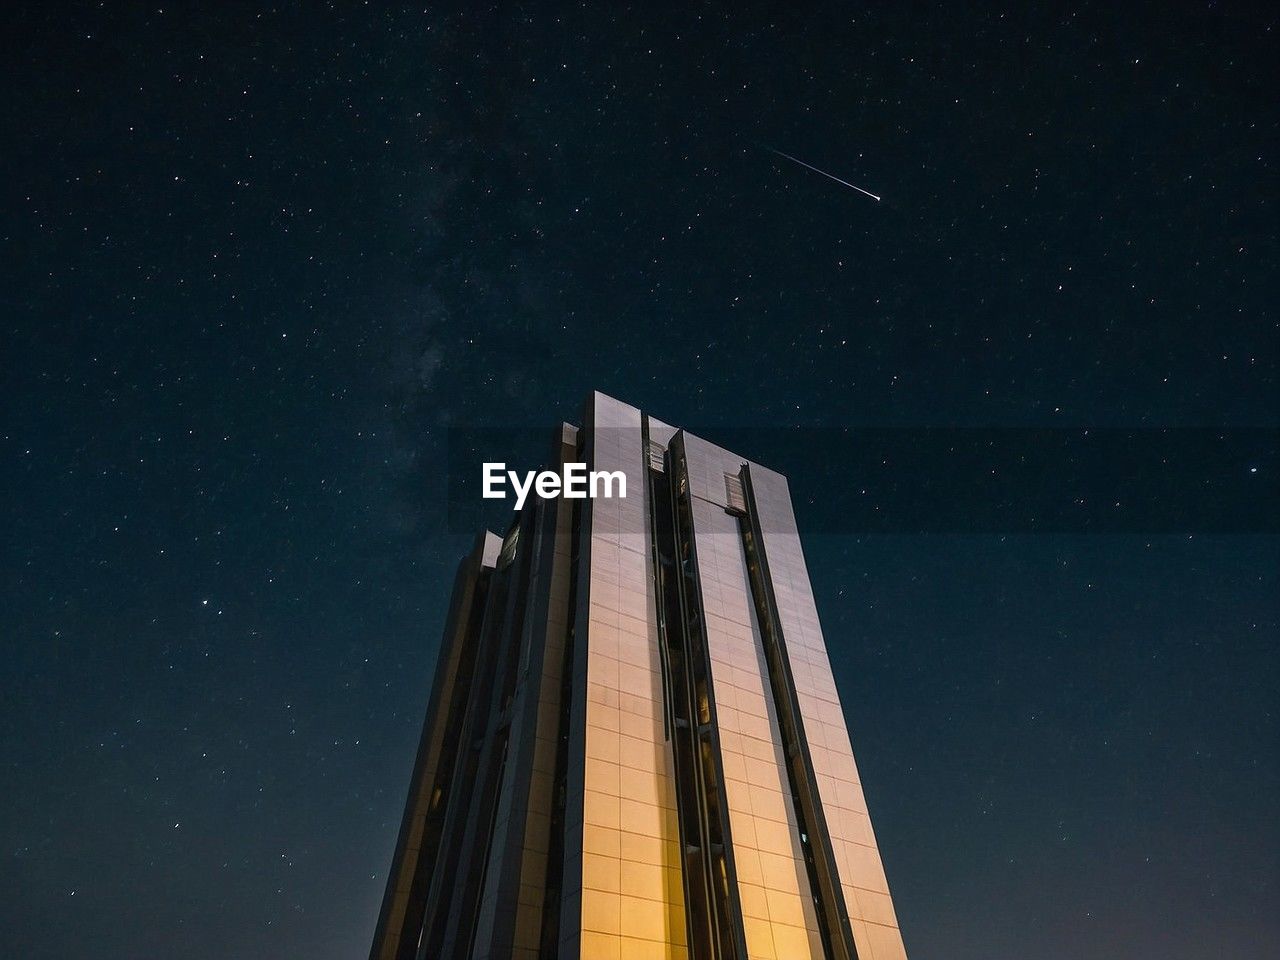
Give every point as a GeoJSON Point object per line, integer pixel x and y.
{"type": "Point", "coordinates": [634, 746]}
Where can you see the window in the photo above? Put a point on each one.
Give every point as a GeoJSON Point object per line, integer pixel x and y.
{"type": "Point", "coordinates": [508, 552]}
{"type": "Point", "coordinates": [735, 500]}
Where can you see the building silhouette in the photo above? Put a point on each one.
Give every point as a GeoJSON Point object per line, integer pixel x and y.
{"type": "Point", "coordinates": [634, 746]}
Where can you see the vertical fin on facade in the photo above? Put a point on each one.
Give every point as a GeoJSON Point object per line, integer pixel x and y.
{"type": "Point", "coordinates": [404, 903]}
{"type": "Point", "coordinates": [824, 879]}
{"type": "Point", "coordinates": [509, 919]}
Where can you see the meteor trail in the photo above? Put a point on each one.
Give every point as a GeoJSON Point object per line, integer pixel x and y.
{"type": "Point", "coordinates": [809, 166]}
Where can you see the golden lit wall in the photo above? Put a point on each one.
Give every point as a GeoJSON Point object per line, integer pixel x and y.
{"type": "Point", "coordinates": [866, 891]}
{"type": "Point", "coordinates": [630, 897]}
{"type": "Point", "coordinates": [632, 900]}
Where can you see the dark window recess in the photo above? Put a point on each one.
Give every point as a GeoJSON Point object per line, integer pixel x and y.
{"type": "Point", "coordinates": [654, 477]}
{"type": "Point", "coordinates": [713, 914]}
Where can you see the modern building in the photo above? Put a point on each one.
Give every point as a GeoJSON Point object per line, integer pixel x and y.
{"type": "Point", "coordinates": [634, 746]}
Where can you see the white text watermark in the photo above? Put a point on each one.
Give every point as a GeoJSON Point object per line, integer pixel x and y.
{"type": "Point", "coordinates": [574, 483]}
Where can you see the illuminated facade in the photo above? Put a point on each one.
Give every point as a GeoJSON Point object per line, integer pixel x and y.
{"type": "Point", "coordinates": [634, 746]}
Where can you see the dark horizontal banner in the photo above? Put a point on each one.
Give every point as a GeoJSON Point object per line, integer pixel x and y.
{"type": "Point", "coordinates": [960, 480]}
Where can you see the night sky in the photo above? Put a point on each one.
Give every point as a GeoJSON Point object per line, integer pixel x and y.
{"type": "Point", "coordinates": [260, 266]}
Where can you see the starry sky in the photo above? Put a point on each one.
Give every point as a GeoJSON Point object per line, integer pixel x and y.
{"type": "Point", "coordinates": [261, 265]}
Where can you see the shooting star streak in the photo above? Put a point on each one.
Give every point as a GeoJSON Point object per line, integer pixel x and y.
{"type": "Point", "coordinates": [809, 166]}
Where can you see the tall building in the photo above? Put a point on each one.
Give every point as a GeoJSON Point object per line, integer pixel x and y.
{"type": "Point", "coordinates": [634, 746]}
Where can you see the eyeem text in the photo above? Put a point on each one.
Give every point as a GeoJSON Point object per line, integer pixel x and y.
{"type": "Point", "coordinates": [576, 483]}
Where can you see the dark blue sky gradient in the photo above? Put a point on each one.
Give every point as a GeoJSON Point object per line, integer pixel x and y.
{"type": "Point", "coordinates": [260, 264]}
